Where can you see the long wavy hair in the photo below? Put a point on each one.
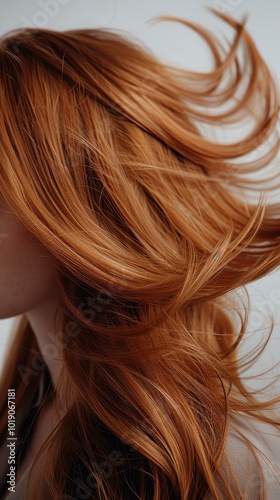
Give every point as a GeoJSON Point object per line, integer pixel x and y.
{"type": "Point", "coordinates": [106, 159]}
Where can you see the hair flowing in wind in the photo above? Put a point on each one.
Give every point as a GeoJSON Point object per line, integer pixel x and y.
{"type": "Point", "coordinates": [104, 162]}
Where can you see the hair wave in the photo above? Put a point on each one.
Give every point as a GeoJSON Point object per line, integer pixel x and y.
{"type": "Point", "coordinates": [104, 161]}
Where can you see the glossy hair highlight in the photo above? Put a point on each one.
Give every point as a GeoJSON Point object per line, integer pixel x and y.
{"type": "Point", "coordinates": [104, 161]}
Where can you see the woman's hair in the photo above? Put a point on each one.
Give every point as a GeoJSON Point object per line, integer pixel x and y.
{"type": "Point", "coordinates": [105, 160]}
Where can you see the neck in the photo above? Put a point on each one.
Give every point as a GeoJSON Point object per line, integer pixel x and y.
{"type": "Point", "coordinates": [41, 319]}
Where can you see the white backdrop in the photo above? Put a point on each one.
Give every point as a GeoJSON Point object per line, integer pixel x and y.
{"type": "Point", "coordinates": [174, 44]}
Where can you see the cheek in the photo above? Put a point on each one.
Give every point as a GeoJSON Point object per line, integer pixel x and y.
{"type": "Point", "coordinates": [27, 276]}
